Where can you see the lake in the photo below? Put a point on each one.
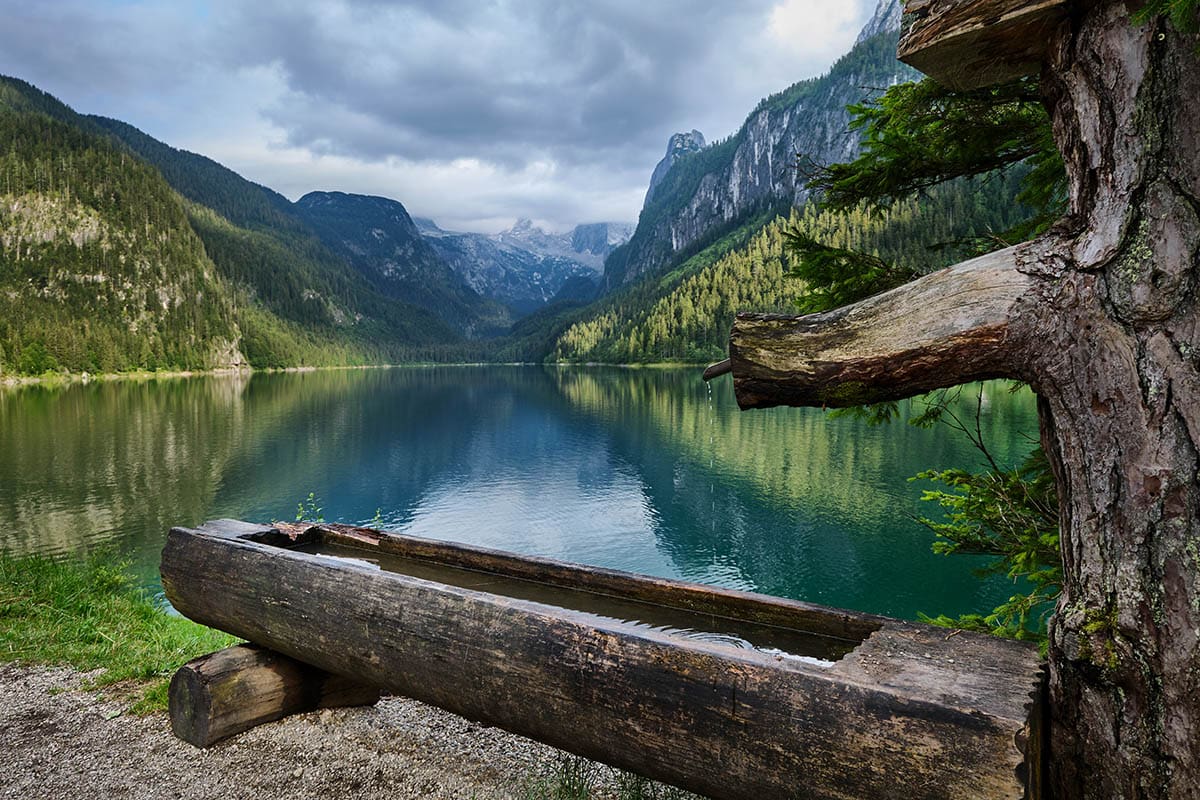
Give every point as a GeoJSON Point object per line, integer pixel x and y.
{"type": "Point", "coordinates": [645, 470]}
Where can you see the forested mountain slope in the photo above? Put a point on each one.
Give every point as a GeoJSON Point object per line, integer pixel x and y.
{"type": "Point", "coordinates": [707, 193]}
{"type": "Point", "coordinates": [106, 265]}
{"type": "Point", "coordinates": [100, 270]}
{"type": "Point", "coordinates": [686, 315]}
{"type": "Point", "coordinates": [379, 239]}
{"type": "Point", "coordinates": [259, 240]}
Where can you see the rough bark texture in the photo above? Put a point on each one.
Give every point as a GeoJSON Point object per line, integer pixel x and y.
{"type": "Point", "coordinates": [947, 328]}
{"type": "Point", "coordinates": [1108, 334]}
{"type": "Point", "coordinates": [1113, 340]}
{"type": "Point", "coordinates": [911, 712]}
{"type": "Point", "coordinates": [232, 690]}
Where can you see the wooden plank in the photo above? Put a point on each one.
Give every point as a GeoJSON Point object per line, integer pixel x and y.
{"type": "Point", "coordinates": [968, 44]}
{"type": "Point", "coordinates": [232, 690]}
{"type": "Point", "coordinates": [909, 714]}
{"type": "Point", "coordinates": [947, 328]}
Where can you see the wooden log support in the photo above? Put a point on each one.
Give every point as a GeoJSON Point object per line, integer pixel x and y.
{"type": "Point", "coordinates": [945, 329]}
{"type": "Point", "coordinates": [969, 44]}
{"type": "Point", "coordinates": [911, 712]}
{"type": "Point", "coordinates": [232, 690]}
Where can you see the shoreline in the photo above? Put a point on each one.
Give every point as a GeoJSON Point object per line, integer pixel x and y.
{"type": "Point", "coordinates": [57, 380]}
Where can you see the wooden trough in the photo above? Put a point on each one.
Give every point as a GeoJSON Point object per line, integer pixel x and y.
{"type": "Point", "coordinates": [730, 694]}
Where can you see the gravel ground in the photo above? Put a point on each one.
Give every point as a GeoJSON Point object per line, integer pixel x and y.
{"type": "Point", "coordinates": [62, 742]}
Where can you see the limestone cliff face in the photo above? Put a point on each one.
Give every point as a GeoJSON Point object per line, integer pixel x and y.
{"type": "Point", "coordinates": [678, 146]}
{"type": "Point", "coordinates": [707, 190]}
{"type": "Point", "coordinates": [886, 18]}
{"type": "Point", "coordinates": [598, 239]}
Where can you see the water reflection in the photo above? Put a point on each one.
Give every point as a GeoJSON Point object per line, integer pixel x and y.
{"type": "Point", "coordinates": [642, 470]}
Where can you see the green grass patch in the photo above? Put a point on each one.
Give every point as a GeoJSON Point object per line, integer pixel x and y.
{"type": "Point", "coordinates": [93, 616]}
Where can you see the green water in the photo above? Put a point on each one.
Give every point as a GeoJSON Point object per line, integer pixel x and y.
{"type": "Point", "coordinates": [642, 470]}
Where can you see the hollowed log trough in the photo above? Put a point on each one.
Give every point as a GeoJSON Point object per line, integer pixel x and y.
{"type": "Point", "coordinates": [873, 707]}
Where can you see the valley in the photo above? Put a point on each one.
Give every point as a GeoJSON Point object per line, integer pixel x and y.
{"type": "Point", "coordinates": [255, 280]}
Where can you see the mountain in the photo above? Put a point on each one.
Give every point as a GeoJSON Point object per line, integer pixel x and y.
{"type": "Point", "coordinates": [686, 314]}
{"type": "Point", "coordinates": [586, 244]}
{"type": "Point", "coordinates": [678, 146]}
{"type": "Point", "coordinates": [710, 240]}
{"type": "Point", "coordinates": [379, 239]}
{"type": "Point", "coordinates": [524, 267]}
{"type": "Point", "coordinates": [99, 269]}
{"type": "Point", "coordinates": [119, 252]}
{"type": "Point", "coordinates": [706, 193]}
{"type": "Point", "coordinates": [885, 19]}
{"type": "Point", "coordinates": [598, 239]}
{"type": "Point", "coordinates": [269, 245]}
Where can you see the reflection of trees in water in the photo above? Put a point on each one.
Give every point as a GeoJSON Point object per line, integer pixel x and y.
{"type": "Point", "coordinates": [788, 502]}
{"type": "Point", "coordinates": [799, 504]}
{"type": "Point", "coordinates": [796, 457]}
{"type": "Point", "coordinates": [113, 463]}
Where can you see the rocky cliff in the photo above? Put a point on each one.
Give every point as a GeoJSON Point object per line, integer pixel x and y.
{"type": "Point", "coordinates": [377, 237]}
{"type": "Point", "coordinates": [885, 19]}
{"type": "Point", "coordinates": [526, 268]}
{"type": "Point", "coordinates": [709, 191]}
{"type": "Point", "coordinates": [598, 239]}
{"type": "Point", "coordinates": [678, 146]}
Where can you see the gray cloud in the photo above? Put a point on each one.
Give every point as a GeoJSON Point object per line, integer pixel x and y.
{"type": "Point", "coordinates": [592, 89]}
{"type": "Point", "coordinates": [96, 48]}
{"type": "Point", "coordinates": [377, 80]}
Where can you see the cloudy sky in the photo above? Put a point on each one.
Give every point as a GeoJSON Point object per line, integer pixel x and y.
{"type": "Point", "coordinates": [470, 112]}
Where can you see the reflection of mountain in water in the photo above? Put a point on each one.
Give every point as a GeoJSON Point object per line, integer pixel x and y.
{"type": "Point", "coordinates": [632, 469]}
{"type": "Point", "coordinates": [113, 464]}
{"type": "Point", "coordinates": [795, 503]}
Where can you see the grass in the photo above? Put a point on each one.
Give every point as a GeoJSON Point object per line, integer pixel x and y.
{"type": "Point", "coordinates": [93, 616]}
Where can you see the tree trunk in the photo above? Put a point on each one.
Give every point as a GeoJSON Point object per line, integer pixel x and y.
{"type": "Point", "coordinates": [1112, 341]}
{"type": "Point", "coordinates": [1107, 331]}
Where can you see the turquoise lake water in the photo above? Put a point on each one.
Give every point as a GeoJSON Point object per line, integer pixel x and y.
{"type": "Point", "coordinates": [645, 470]}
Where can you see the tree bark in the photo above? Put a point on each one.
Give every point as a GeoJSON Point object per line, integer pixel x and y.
{"type": "Point", "coordinates": [1108, 334]}
{"type": "Point", "coordinates": [224, 693]}
{"type": "Point", "coordinates": [944, 329]}
{"type": "Point", "coordinates": [1113, 346]}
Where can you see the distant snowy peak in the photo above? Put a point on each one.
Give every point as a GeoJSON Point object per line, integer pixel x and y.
{"type": "Point", "coordinates": [582, 243]}
{"type": "Point", "coordinates": [525, 267]}
{"type": "Point", "coordinates": [592, 239]}
{"type": "Point", "coordinates": [525, 234]}
{"type": "Point", "coordinates": [886, 18]}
